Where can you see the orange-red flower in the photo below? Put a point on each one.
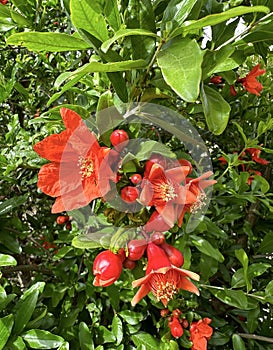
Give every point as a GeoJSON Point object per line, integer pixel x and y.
{"type": "Point", "coordinates": [161, 188]}
{"type": "Point", "coordinates": [163, 279]}
{"type": "Point", "coordinates": [255, 155]}
{"type": "Point", "coordinates": [250, 83]}
{"type": "Point", "coordinates": [200, 332]}
{"type": "Point", "coordinates": [196, 187]}
{"type": "Point", "coordinates": [75, 158]}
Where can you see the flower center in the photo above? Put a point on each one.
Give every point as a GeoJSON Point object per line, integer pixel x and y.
{"type": "Point", "coordinates": [164, 286]}
{"type": "Point", "coordinates": [199, 203]}
{"type": "Point", "coordinates": [86, 167]}
{"type": "Point", "coordinates": [165, 191]}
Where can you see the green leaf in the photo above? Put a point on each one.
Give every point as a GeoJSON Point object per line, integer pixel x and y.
{"type": "Point", "coordinates": [217, 18]}
{"type": "Point", "coordinates": [146, 340]}
{"type": "Point", "coordinates": [85, 337]}
{"type": "Point", "coordinates": [17, 344]}
{"type": "Point", "coordinates": [50, 42]}
{"type": "Point", "coordinates": [216, 110]}
{"type": "Point", "coordinates": [26, 306]}
{"type": "Point", "coordinates": [84, 17]}
{"type": "Point", "coordinates": [112, 14]}
{"type": "Point", "coordinates": [6, 324]}
{"type": "Point", "coordinates": [7, 260]}
{"type": "Point", "coordinates": [131, 317]}
{"type": "Point", "coordinates": [243, 258]}
{"type": "Point", "coordinates": [147, 148]}
{"type": "Point", "coordinates": [180, 62]}
{"type": "Point", "coordinates": [176, 12]}
{"type": "Point", "coordinates": [266, 245]}
{"type": "Point", "coordinates": [105, 336]}
{"type": "Point", "coordinates": [238, 343]}
{"type": "Point", "coordinates": [9, 204]}
{"type": "Point", "coordinates": [241, 131]}
{"type": "Point", "coordinates": [206, 248]}
{"type": "Point", "coordinates": [261, 33]}
{"type": "Point", "coordinates": [123, 33]}
{"type": "Point", "coordinates": [236, 298]}
{"type": "Point", "coordinates": [117, 329]}
{"type": "Point", "coordinates": [40, 339]}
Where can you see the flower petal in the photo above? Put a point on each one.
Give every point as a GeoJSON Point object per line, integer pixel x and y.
{"type": "Point", "coordinates": [141, 293]}
{"type": "Point", "coordinates": [48, 179]}
{"type": "Point", "coordinates": [71, 119]}
{"type": "Point", "coordinates": [188, 285]}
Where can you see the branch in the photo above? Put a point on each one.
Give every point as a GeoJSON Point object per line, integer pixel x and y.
{"type": "Point", "coordinates": [256, 337]}
{"type": "Point", "coordinates": [8, 270]}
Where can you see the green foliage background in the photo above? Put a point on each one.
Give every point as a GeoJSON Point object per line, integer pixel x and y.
{"type": "Point", "coordinates": [89, 55]}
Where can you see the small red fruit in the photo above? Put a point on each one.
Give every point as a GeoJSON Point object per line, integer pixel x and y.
{"type": "Point", "coordinates": [136, 179]}
{"type": "Point", "coordinates": [119, 137]}
{"type": "Point", "coordinates": [129, 194]}
{"type": "Point", "coordinates": [158, 238]}
{"type": "Point", "coordinates": [68, 226]}
{"type": "Point", "coordinates": [136, 249]}
{"type": "Point", "coordinates": [175, 256]}
{"type": "Point", "coordinates": [62, 219]}
{"type": "Point", "coordinates": [185, 323]}
{"type": "Point", "coordinates": [176, 328]}
{"type": "Point", "coordinates": [129, 264]}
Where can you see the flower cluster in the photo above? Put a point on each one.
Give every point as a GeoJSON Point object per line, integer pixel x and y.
{"type": "Point", "coordinates": [155, 193]}
{"type": "Point", "coordinates": [199, 332]}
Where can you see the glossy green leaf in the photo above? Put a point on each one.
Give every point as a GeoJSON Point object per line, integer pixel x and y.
{"type": "Point", "coordinates": [117, 329]}
{"type": "Point", "coordinates": [206, 248]}
{"type": "Point", "coordinates": [85, 17]}
{"type": "Point", "coordinates": [217, 18]}
{"type": "Point", "coordinates": [7, 260]}
{"type": "Point", "coordinates": [266, 245]}
{"type": "Point", "coordinates": [216, 110]}
{"type": "Point", "coordinates": [183, 71]}
{"type": "Point", "coordinates": [238, 343]}
{"type": "Point", "coordinates": [112, 14]}
{"type": "Point", "coordinates": [41, 339]}
{"type": "Point", "coordinates": [85, 337]}
{"type": "Point", "coordinates": [17, 344]}
{"type": "Point", "coordinates": [263, 32]}
{"type": "Point", "coordinates": [91, 240]}
{"type": "Point", "coordinates": [243, 258]}
{"type": "Point", "coordinates": [236, 298]}
{"type": "Point", "coordinates": [6, 324]}
{"type": "Point", "coordinates": [49, 42]}
{"type": "Point", "coordinates": [176, 12]}
{"type": "Point", "coordinates": [105, 336]}
{"type": "Point", "coordinates": [147, 148]}
{"type": "Point", "coordinates": [9, 204]}
{"type": "Point", "coordinates": [146, 340]}
{"type": "Point", "coordinates": [123, 33]}
{"type": "Point", "coordinates": [131, 317]}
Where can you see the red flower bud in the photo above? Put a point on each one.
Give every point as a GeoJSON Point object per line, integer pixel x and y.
{"type": "Point", "coordinates": [185, 323]}
{"type": "Point", "coordinates": [129, 264]}
{"type": "Point", "coordinates": [136, 179]}
{"type": "Point", "coordinates": [136, 249]}
{"type": "Point", "coordinates": [164, 312]}
{"type": "Point", "coordinates": [107, 268]}
{"type": "Point", "coordinates": [121, 254]}
{"type": "Point", "coordinates": [175, 256]}
{"type": "Point", "coordinates": [176, 328]}
{"type": "Point", "coordinates": [232, 90]}
{"type": "Point", "coordinates": [119, 137]}
{"type": "Point", "coordinates": [62, 219]}
{"type": "Point", "coordinates": [176, 313]}
{"type": "Point", "coordinates": [68, 226]}
{"type": "Point", "coordinates": [158, 238]}
{"type": "Point", "coordinates": [129, 194]}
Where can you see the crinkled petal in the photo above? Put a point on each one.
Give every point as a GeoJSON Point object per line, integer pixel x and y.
{"type": "Point", "coordinates": [48, 179]}
{"type": "Point", "coordinates": [185, 284]}
{"type": "Point", "coordinates": [71, 119]}
{"type": "Point", "coordinates": [178, 174]}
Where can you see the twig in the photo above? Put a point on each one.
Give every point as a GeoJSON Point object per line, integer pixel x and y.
{"type": "Point", "coordinates": [256, 337]}
{"type": "Point", "coordinates": [8, 270]}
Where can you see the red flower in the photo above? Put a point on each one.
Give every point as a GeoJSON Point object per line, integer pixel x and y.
{"type": "Point", "coordinates": [217, 79]}
{"type": "Point", "coordinates": [4, 2]}
{"type": "Point", "coordinates": [107, 268]}
{"type": "Point", "coordinates": [161, 188]}
{"type": "Point", "coordinates": [251, 177]}
{"type": "Point", "coordinates": [232, 90]}
{"type": "Point", "coordinates": [255, 155]}
{"type": "Point", "coordinates": [201, 332]}
{"type": "Point", "coordinates": [162, 279]}
{"type": "Point", "coordinates": [156, 223]}
{"type": "Point", "coordinates": [250, 83]}
{"type": "Point", "coordinates": [196, 187]}
{"type": "Point", "coordinates": [176, 328]}
{"type": "Point", "coordinates": [73, 173]}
